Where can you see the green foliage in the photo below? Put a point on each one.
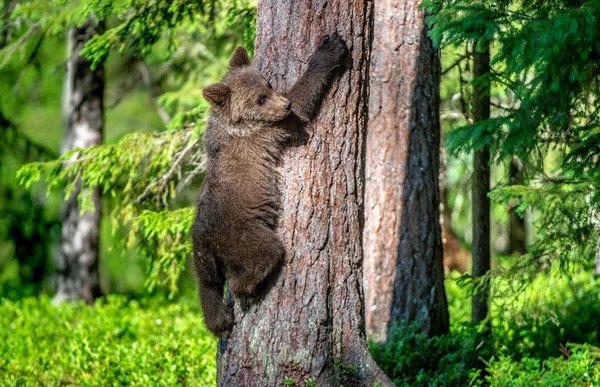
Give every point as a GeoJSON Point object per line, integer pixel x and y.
{"type": "Point", "coordinates": [547, 316]}
{"type": "Point", "coordinates": [536, 337]}
{"type": "Point", "coordinates": [412, 359]}
{"type": "Point", "coordinates": [142, 171]}
{"type": "Point", "coordinates": [134, 26]}
{"type": "Point", "coordinates": [582, 368]}
{"type": "Point", "coordinates": [115, 342]}
{"type": "Point", "coordinates": [310, 383]}
{"type": "Point", "coordinates": [565, 232]}
{"type": "Point", "coordinates": [546, 54]}
{"type": "Point", "coordinates": [140, 165]}
{"type": "Point", "coordinates": [532, 317]}
{"type": "Point", "coordinates": [545, 59]}
{"type": "Point", "coordinates": [165, 244]}
{"type": "Point", "coordinates": [30, 227]}
{"type": "Point", "coordinates": [141, 23]}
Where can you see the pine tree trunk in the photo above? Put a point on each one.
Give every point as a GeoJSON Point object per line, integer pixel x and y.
{"type": "Point", "coordinates": [310, 323]}
{"type": "Point", "coordinates": [403, 269]}
{"type": "Point", "coordinates": [77, 264]}
{"type": "Point", "coordinates": [517, 236]}
{"type": "Point", "coordinates": [480, 189]}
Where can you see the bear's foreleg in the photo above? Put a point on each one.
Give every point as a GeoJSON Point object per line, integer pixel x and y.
{"type": "Point", "coordinates": [308, 91]}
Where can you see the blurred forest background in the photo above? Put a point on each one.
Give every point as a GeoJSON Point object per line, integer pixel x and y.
{"type": "Point", "coordinates": [541, 141]}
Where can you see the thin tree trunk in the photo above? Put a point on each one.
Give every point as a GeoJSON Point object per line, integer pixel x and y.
{"type": "Point", "coordinates": [310, 323]}
{"type": "Point", "coordinates": [480, 189]}
{"type": "Point", "coordinates": [517, 236]}
{"type": "Point", "coordinates": [596, 222]}
{"type": "Point", "coordinates": [597, 272]}
{"type": "Point", "coordinates": [77, 264]}
{"type": "Point", "coordinates": [403, 269]}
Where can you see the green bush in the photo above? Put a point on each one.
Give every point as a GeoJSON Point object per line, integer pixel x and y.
{"type": "Point", "coordinates": [116, 342]}
{"type": "Point", "coordinates": [550, 314]}
{"type": "Point", "coordinates": [582, 368]}
{"type": "Point", "coordinates": [529, 344]}
{"type": "Point", "coordinates": [412, 359]}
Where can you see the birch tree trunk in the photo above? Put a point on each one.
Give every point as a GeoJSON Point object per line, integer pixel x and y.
{"type": "Point", "coordinates": [77, 263]}
{"type": "Point", "coordinates": [403, 268]}
{"type": "Point", "coordinates": [480, 189]}
{"type": "Point", "coordinates": [310, 325]}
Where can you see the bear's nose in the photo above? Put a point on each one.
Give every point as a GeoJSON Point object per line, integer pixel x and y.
{"type": "Point", "coordinates": [288, 105]}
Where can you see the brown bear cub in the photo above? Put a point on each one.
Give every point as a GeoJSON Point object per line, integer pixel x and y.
{"type": "Point", "coordinates": [234, 233]}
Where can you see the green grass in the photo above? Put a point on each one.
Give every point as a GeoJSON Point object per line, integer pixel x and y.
{"type": "Point", "coordinates": [154, 342]}
{"type": "Point", "coordinates": [114, 343]}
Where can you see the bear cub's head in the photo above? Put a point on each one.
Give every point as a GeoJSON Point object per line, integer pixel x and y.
{"type": "Point", "coordinates": [244, 96]}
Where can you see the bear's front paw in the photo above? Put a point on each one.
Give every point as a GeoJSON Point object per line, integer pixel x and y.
{"type": "Point", "coordinates": [331, 50]}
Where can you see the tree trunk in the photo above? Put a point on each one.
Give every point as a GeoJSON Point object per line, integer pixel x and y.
{"type": "Point", "coordinates": [480, 189]}
{"type": "Point", "coordinates": [309, 325]}
{"type": "Point", "coordinates": [596, 222]}
{"type": "Point", "coordinates": [597, 271]}
{"type": "Point", "coordinates": [517, 236]}
{"type": "Point", "coordinates": [77, 263]}
{"type": "Point", "coordinates": [404, 274]}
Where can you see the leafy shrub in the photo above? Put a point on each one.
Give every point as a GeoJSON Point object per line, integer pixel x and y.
{"type": "Point", "coordinates": [582, 368]}
{"type": "Point", "coordinates": [529, 344]}
{"type": "Point", "coordinates": [116, 342]}
{"type": "Point", "coordinates": [550, 314]}
{"type": "Point", "coordinates": [412, 359]}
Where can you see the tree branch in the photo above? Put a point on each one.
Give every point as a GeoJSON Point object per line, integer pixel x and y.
{"type": "Point", "coordinates": [457, 62]}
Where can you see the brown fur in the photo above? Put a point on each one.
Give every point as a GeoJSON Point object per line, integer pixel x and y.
{"type": "Point", "coordinates": [234, 234]}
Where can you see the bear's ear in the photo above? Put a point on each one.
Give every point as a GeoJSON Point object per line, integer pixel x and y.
{"type": "Point", "coordinates": [239, 58]}
{"type": "Point", "coordinates": [216, 94]}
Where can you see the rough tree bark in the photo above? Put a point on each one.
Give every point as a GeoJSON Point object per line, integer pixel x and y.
{"type": "Point", "coordinates": [517, 235]}
{"type": "Point", "coordinates": [480, 189]}
{"type": "Point", "coordinates": [77, 263]}
{"type": "Point", "coordinates": [403, 269]}
{"type": "Point", "coordinates": [310, 323]}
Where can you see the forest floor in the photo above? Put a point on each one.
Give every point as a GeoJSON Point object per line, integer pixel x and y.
{"type": "Point", "coordinates": [546, 336]}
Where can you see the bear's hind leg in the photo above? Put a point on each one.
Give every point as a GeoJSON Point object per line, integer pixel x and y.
{"type": "Point", "coordinates": [257, 262]}
{"type": "Point", "coordinates": [217, 317]}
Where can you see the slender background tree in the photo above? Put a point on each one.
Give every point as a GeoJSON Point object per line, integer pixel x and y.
{"type": "Point", "coordinates": [480, 185]}
{"type": "Point", "coordinates": [77, 264]}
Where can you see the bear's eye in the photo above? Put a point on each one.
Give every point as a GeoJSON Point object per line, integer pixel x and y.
{"type": "Point", "coordinates": [261, 100]}
{"type": "Point", "coordinates": [269, 85]}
